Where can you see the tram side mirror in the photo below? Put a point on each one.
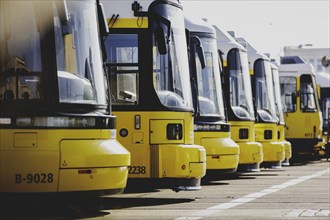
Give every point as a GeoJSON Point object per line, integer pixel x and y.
{"type": "Point", "coordinates": [103, 28]}
{"type": "Point", "coordinates": [201, 55]}
{"type": "Point", "coordinates": [161, 40]}
{"type": "Point", "coordinates": [187, 37]}
{"type": "Point", "coordinates": [199, 50]}
{"type": "Point", "coordinates": [294, 98]}
{"type": "Point", "coordinates": [103, 24]}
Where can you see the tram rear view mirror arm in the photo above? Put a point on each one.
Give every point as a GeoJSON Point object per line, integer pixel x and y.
{"type": "Point", "coordinates": [200, 51]}
{"type": "Point", "coordinates": [161, 39]}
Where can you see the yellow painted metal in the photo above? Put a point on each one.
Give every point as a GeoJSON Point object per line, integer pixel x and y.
{"type": "Point", "coordinates": [157, 137]}
{"type": "Point", "coordinates": [219, 146]}
{"type": "Point", "coordinates": [97, 179]}
{"type": "Point", "coordinates": [182, 161]}
{"type": "Point", "coordinates": [251, 152]}
{"type": "Point", "coordinates": [140, 22]}
{"type": "Point", "coordinates": [281, 139]}
{"type": "Point", "coordinates": [53, 165]}
{"type": "Point", "coordinates": [152, 156]}
{"type": "Point", "coordinates": [273, 150]}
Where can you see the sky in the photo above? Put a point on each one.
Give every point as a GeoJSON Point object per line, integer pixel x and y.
{"type": "Point", "coordinates": [268, 25]}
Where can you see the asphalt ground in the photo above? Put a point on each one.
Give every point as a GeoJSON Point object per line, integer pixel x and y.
{"type": "Point", "coordinates": [299, 192]}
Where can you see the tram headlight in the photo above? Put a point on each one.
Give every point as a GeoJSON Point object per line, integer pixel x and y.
{"type": "Point", "coordinates": [212, 127]}
{"type": "Point", "coordinates": [243, 133]}
{"type": "Point", "coordinates": [76, 122]}
{"type": "Point", "coordinates": [174, 131]}
{"type": "Point", "coordinates": [268, 134]}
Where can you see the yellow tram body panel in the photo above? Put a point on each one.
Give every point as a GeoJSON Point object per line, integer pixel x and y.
{"type": "Point", "coordinates": [281, 139]}
{"type": "Point", "coordinates": [153, 155]}
{"type": "Point", "coordinates": [222, 153]}
{"type": "Point", "coordinates": [266, 134]}
{"type": "Point", "coordinates": [251, 152]}
{"type": "Point", "coordinates": [61, 160]}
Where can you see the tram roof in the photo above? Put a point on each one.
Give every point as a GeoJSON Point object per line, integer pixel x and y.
{"type": "Point", "coordinates": [225, 41]}
{"type": "Point", "coordinates": [198, 25]}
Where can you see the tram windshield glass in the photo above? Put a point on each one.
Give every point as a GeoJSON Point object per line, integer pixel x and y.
{"type": "Point", "coordinates": [264, 91]}
{"type": "Point", "coordinates": [288, 93]}
{"type": "Point", "coordinates": [210, 99]}
{"type": "Point", "coordinates": [307, 94]}
{"type": "Point", "coordinates": [240, 85]}
{"type": "Point", "coordinates": [20, 42]}
{"type": "Point", "coordinates": [25, 39]}
{"type": "Point", "coordinates": [170, 59]}
{"type": "Point", "coordinates": [277, 92]}
{"type": "Point", "coordinates": [325, 103]}
{"type": "Point", "coordinates": [79, 61]}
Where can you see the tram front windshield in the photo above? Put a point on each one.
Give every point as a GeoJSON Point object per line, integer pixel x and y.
{"type": "Point", "coordinates": [210, 99]}
{"type": "Point", "coordinates": [28, 29]}
{"type": "Point", "coordinates": [325, 103]}
{"type": "Point", "coordinates": [240, 85]}
{"type": "Point", "coordinates": [264, 91]}
{"type": "Point", "coordinates": [307, 94]}
{"type": "Point", "coordinates": [171, 69]}
{"type": "Point", "coordinates": [277, 92]}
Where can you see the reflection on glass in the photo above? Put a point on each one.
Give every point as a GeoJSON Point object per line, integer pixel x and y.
{"type": "Point", "coordinates": [277, 92]}
{"type": "Point", "coordinates": [208, 81]}
{"type": "Point", "coordinates": [264, 91]}
{"type": "Point", "coordinates": [307, 97]}
{"type": "Point", "coordinates": [171, 73]}
{"type": "Point", "coordinates": [78, 55]}
{"type": "Point", "coordinates": [20, 56]}
{"type": "Point", "coordinates": [325, 112]}
{"type": "Point", "coordinates": [240, 85]}
{"type": "Point", "coordinates": [288, 93]}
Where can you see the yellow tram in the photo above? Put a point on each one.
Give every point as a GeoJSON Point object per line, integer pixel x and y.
{"type": "Point", "coordinates": [148, 67]}
{"type": "Point", "coordinates": [211, 129]}
{"type": "Point", "coordinates": [57, 133]}
{"type": "Point", "coordinates": [239, 102]}
{"type": "Point", "coordinates": [263, 94]}
{"type": "Point", "coordinates": [303, 116]}
{"type": "Point", "coordinates": [280, 116]}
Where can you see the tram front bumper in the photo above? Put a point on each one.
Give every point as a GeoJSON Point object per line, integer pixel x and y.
{"type": "Point", "coordinates": [100, 165]}
{"type": "Point", "coordinates": [288, 151]}
{"type": "Point", "coordinates": [222, 153]}
{"type": "Point", "coordinates": [250, 153]}
{"type": "Point", "coordinates": [273, 151]}
{"type": "Point", "coordinates": [182, 161]}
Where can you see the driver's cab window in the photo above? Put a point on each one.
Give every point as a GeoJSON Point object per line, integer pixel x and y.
{"type": "Point", "coordinates": [288, 86]}
{"type": "Point", "coordinates": [122, 64]}
{"type": "Point", "coordinates": [307, 94]}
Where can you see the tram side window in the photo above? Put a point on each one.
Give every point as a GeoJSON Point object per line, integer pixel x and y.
{"type": "Point", "coordinates": [288, 86]}
{"type": "Point", "coordinates": [20, 67]}
{"type": "Point", "coordinates": [122, 63]}
{"type": "Point", "coordinates": [307, 94]}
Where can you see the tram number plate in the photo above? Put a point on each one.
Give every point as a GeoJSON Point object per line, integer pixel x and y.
{"type": "Point", "coordinates": [137, 170]}
{"type": "Point", "coordinates": [34, 178]}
